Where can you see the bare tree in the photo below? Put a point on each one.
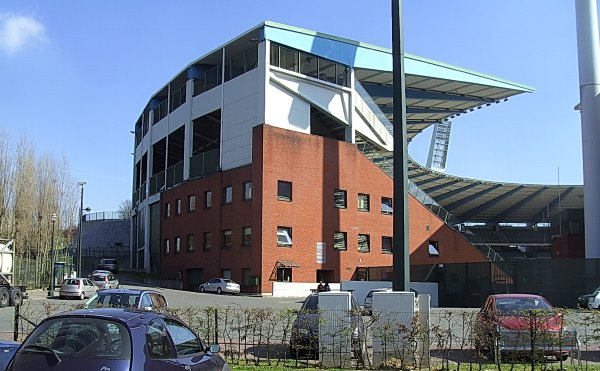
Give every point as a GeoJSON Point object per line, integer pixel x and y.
{"type": "Point", "coordinates": [125, 209]}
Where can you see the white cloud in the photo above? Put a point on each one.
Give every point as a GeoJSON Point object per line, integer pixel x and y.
{"type": "Point", "coordinates": [18, 32]}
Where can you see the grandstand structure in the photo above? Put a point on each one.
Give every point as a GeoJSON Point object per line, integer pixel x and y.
{"type": "Point", "coordinates": [270, 158]}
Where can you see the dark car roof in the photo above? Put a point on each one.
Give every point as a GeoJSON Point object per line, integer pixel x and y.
{"type": "Point", "coordinates": [507, 296]}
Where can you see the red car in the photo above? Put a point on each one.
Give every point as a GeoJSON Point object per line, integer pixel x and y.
{"type": "Point", "coordinates": [522, 323]}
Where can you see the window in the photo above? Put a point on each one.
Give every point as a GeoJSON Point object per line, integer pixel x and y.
{"type": "Point", "coordinates": [207, 240]}
{"type": "Point", "coordinates": [363, 202]}
{"type": "Point", "coordinates": [284, 274]}
{"type": "Point", "coordinates": [226, 239]}
{"type": "Point", "coordinates": [167, 210]}
{"type": "Point", "coordinates": [191, 202]}
{"type": "Point", "coordinates": [190, 242]}
{"type": "Point", "coordinates": [208, 199]}
{"type": "Point", "coordinates": [247, 190]}
{"type": "Point", "coordinates": [339, 241]}
{"type": "Point", "coordinates": [284, 236]}
{"type": "Point", "coordinates": [364, 244]}
{"type": "Point", "coordinates": [158, 345]}
{"type": "Point", "coordinates": [186, 343]}
{"type": "Point", "coordinates": [178, 206]}
{"type": "Point", "coordinates": [386, 205]}
{"type": "Point", "coordinates": [226, 274]}
{"type": "Point", "coordinates": [247, 236]}
{"type": "Point", "coordinates": [284, 190]}
{"type": "Point", "coordinates": [386, 245]}
{"type": "Point", "coordinates": [227, 194]}
{"type": "Point", "coordinates": [339, 198]}
{"type": "Point", "coordinates": [434, 248]}
{"type": "Point", "coordinates": [167, 247]}
{"type": "Point", "coordinates": [177, 244]}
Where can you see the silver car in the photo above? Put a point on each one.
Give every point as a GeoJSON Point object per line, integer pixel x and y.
{"type": "Point", "coordinates": [105, 280]}
{"type": "Point", "coordinates": [220, 285]}
{"type": "Point", "coordinates": [77, 288]}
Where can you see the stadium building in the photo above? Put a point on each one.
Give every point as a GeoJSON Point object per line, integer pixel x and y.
{"type": "Point", "coordinates": [271, 159]}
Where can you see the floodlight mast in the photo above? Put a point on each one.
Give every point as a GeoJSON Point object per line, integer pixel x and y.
{"type": "Point", "coordinates": [588, 52]}
{"type": "Point", "coordinates": [401, 248]}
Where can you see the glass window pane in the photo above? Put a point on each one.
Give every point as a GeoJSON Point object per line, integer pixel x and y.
{"type": "Point", "coordinates": [327, 71]}
{"type": "Point", "coordinates": [309, 65]}
{"type": "Point", "coordinates": [251, 58]}
{"type": "Point", "coordinates": [275, 55]}
{"type": "Point", "coordinates": [339, 241]}
{"type": "Point", "coordinates": [289, 59]}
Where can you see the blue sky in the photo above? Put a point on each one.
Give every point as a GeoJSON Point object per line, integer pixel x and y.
{"type": "Point", "coordinates": [75, 75]}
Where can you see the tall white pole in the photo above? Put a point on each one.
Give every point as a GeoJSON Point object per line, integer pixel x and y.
{"type": "Point", "coordinates": [588, 50]}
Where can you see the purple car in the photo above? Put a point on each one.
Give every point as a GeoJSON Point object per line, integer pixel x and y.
{"type": "Point", "coordinates": [115, 339]}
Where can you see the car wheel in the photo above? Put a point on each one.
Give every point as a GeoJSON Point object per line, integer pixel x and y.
{"type": "Point", "coordinates": [16, 296]}
{"type": "Point", "coordinates": [201, 288]}
{"type": "Point", "coordinates": [82, 295]}
{"type": "Point", "coordinates": [219, 291]}
{"type": "Point", "coordinates": [4, 297]}
{"type": "Point", "coordinates": [562, 357]}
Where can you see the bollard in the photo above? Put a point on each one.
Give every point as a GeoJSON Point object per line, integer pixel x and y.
{"type": "Point", "coordinates": [16, 322]}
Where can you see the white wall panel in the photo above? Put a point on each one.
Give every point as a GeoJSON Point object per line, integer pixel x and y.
{"type": "Point", "coordinates": [286, 110]}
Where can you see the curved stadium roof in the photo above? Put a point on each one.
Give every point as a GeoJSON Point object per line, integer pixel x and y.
{"type": "Point", "coordinates": [434, 92]}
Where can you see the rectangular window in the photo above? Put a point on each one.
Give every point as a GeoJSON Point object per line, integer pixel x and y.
{"type": "Point", "coordinates": [289, 59]}
{"type": "Point", "coordinates": [167, 247]}
{"type": "Point", "coordinates": [275, 55]}
{"type": "Point", "coordinates": [363, 202]}
{"type": "Point", "coordinates": [226, 273]}
{"type": "Point", "coordinates": [364, 243]}
{"type": "Point", "coordinates": [227, 194]}
{"type": "Point", "coordinates": [386, 245]}
{"type": "Point", "coordinates": [339, 241]}
{"type": "Point", "coordinates": [190, 242]}
{"type": "Point", "coordinates": [226, 239]}
{"type": "Point", "coordinates": [178, 206]}
{"type": "Point", "coordinates": [207, 241]}
{"type": "Point", "coordinates": [339, 198]}
{"type": "Point", "coordinates": [284, 236]}
{"type": "Point", "coordinates": [177, 244]}
{"type": "Point", "coordinates": [434, 249]}
{"type": "Point", "coordinates": [167, 210]}
{"type": "Point", "coordinates": [208, 199]}
{"type": "Point", "coordinates": [247, 190]}
{"type": "Point", "coordinates": [284, 274]}
{"type": "Point", "coordinates": [247, 235]}
{"type": "Point", "coordinates": [284, 190]}
{"type": "Point", "coordinates": [386, 205]}
{"type": "Point", "coordinates": [191, 202]}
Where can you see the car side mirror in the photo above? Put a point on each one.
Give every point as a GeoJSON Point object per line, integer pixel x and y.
{"type": "Point", "coordinates": [214, 348]}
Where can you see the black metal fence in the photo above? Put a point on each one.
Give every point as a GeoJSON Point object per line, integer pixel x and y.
{"type": "Point", "coordinates": [560, 281]}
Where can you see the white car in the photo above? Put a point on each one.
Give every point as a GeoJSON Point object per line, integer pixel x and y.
{"type": "Point", "coordinates": [593, 300]}
{"type": "Point", "coordinates": [220, 285]}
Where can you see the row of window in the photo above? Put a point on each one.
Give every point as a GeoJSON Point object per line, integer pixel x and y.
{"type": "Point", "coordinates": [340, 198]}
{"type": "Point", "coordinates": [284, 239]}
{"type": "Point", "coordinates": [309, 65]}
{"type": "Point", "coordinates": [190, 243]}
{"type": "Point", "coordinates": [284, 193]}
{"type": "Point", "coordinates": [208, 199]}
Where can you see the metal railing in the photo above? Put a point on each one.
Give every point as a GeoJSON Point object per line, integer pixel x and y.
{"type": "Point", "coordinates": [204, 163]}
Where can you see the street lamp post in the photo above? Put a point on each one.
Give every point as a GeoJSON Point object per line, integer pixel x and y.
{"type": "Point", "coordinates": [51, 284]}
{"type": "Point", "coordinates": [81, 209]}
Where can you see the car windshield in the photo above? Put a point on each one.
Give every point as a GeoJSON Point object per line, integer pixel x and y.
{"type": "Point", "coordinates": [311, 303]}
{"type": "Point", "coordinates": [98, 277]}
{"type": "Point", "coordinates": [516, 306]}
{"type": "Point", "coordinates": [81, 338]}
{"type": "Point", "coordinates": [119, 300]}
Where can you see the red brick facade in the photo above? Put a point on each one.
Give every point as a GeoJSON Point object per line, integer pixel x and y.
{"type": "Point", "coordinates": [315, 166]}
